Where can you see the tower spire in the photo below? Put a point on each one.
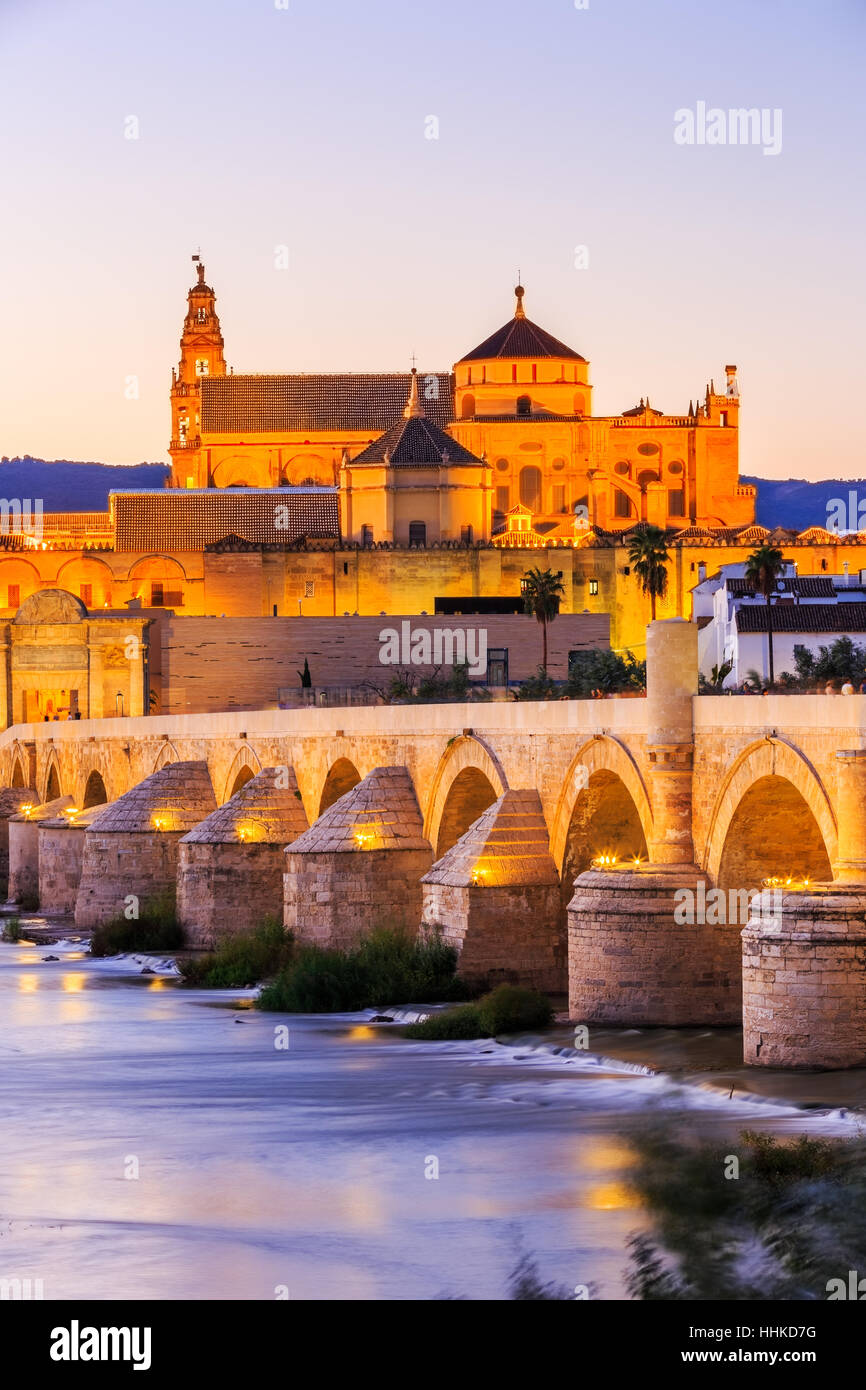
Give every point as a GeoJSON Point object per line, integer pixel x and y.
{"type": "Point", "coordinates": [414, 408]}
{"type": "Point", "coordinates": [519, 311]}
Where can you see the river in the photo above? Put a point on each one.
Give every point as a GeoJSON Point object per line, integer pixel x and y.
{"type": "Point", "coordinates": [165, 1143]}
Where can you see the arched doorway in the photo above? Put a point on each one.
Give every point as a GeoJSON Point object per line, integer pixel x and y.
{"type": "Point", "coordinates": [52, 786]}
{"type": "Point", "coordinates": [94, 792]}
{"type": "Point", "coordinates": [469, 795]}
{"type": "Point", "coordinates": [342, 777]}
{"type": "Point", "coordinates": [772, 833]}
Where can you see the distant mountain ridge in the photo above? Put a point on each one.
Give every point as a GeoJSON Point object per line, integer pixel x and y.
{"type": "Point", "coordinates": [66, 486]}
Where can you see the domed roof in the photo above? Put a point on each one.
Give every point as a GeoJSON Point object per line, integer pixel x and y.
{"type": "Point", "coordinates": [520, 337]}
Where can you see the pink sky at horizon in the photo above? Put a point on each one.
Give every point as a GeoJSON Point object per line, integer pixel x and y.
{"type": "Point", "coordinates": [261, 127]}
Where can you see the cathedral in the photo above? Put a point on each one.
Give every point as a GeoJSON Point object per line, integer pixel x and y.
{"type": "Point", "coordinates": [505, 442]}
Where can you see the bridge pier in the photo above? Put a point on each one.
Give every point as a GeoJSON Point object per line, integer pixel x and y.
{"type": "Point", "coordinates": [11, 801]}
{"type": "Point", "coordinates": [61, 855]}
{"type": "Point", "coordinates": [804, 962]}
{"type": "Point", "coordinates": [24, 849]}
{"type": "Point", "coordinates": [131, 849]}
{"type": "Point", "coordinates": [640, 947]}
{"type": "Point", "coordinates": [230, 868]}
{"type": "Point", "coordinates": [495, 896]}
{"type": "Point", "coordinates": [360, 865]}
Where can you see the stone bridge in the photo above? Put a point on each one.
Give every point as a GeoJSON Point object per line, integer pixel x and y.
{"type": "Point", "coordinates": [497, 808]}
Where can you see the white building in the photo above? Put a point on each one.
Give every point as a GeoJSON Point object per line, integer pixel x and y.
{"type": "Point", "coordinates": [809, 611]}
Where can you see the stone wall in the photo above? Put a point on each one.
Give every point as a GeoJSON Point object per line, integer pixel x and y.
{"type": "Point", "coordinates": [335, 899]}
{"type": "Point", "coordinates": [24, 850]}
{"type": "Point", "coordinates": [511, 933]}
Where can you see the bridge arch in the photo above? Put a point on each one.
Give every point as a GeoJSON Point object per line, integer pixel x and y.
{"type": "Point", "coordinates": [52, 783]}
{"type": "Point", "coordinates": [244, 768]}
{"type": "Point", "coordinates": [167, 754]}
{"type": "Point", "coordinates": [469, 778]}
{"type": "Point", "coordinates": [599, 769]}
{"type": "Point", "coordinates": [18, 763]}
{"type": "Point", "coordinates": [94, 790]}
{"type": "Point", "coordinates": [342, 777]}
{"type": "Point", "coordinates": [771, 805]}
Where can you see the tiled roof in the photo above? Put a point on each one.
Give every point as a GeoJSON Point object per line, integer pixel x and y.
{"type": "Point", "coordinates": [413, 441]}
{"type": "Point", "coordinates": [508, 844]}
{"type": "Point", "coordinates": [803, 586]}
{"type": "Point", "coordinates": [365, 402]}
{"type": "Point", "coordinates": [180, 794]}
{"type": "Point", "coordinates": [521, 338]}
{"type": "Point", "coordinates": [190, 519]}
{"type": "Point", "coordinates": [804, 617]}
{"type": "Point", "coordinates": [264, 811]}
{"type": "Point", "coordinates": [381, 812]}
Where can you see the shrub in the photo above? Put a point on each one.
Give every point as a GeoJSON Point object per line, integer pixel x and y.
{"type": "Point", "coordinates": [604, 670]}
{"type": "Point", "coordinates": [537, 687]}
{"type": "Point", "coordinates": [157, 929]}
{"type": "Point", "coordinates": [451, 1025]}
{"type": "Point", "coordinates": [241, 961]}
{"type": "Point", "coordinates": [512, 1008]}
{"type": "Point", "coordinates": [388, 967]}
{"type": "Point", "coordinates": [506, 1009]}
{"type": "Point", "coordinates": [12, 930]}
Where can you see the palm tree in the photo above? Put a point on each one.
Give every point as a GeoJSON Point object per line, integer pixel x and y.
{"type": "Point", "coordinates": [648, 556]}
{"type": "Point", "coordinates": [542, 591]}
{"type": "Point", "coordinates": [763, 568]}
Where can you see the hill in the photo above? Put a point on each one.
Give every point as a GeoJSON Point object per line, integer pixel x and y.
{"type": "Point", "coordinates": [797, 503]}
{"type": "Point", "coordinates": [65, 486]}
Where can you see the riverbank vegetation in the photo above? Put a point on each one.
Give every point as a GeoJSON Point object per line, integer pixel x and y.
{"type": "Point", "coordinates": [387, 967]}
{"type": "Point", "coordinates": [239, 962]}
{"type": "Point", "coordinates": [754, 1218]}
{"type": "Point", "coordinates": [155, 929]}
{"type": "Point", "coordinates": [506, 1009]}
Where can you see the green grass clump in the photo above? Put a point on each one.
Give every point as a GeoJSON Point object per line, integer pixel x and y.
{"type": "Point", "coordinates": [12, 930]}
{"type": "Point", "coordinates": [506, 1009]}
{"type": "Point", "coordinates": [156, 929]}
{"type": "Point", "coordinates": [388, 967]}
{"type": "Point", "coordinates": [240, 962]}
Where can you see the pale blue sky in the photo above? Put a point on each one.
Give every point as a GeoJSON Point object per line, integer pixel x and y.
{"type": "Point", "coordinates": [306, 127]}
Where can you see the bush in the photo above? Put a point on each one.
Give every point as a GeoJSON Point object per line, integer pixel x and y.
{"type": "Point", "coordinates": [157, 929]}
{"type": "Point", "coordinates": [506, 1009]}
{"type": "Point", "coordinates": [451, 1025]}
{"type": "Point", "coordinates": [606, 671]}
{"type": "Point", "coordinates": [794, 1221]}
{"type": "Point", "coordinates": [537, 687]}
{"type": "Point", "coordinates": [12, 930]}
{"type": "Point", "coordinates": [241, 961]}
{"type": "Point", "coordinates": [388, 967]}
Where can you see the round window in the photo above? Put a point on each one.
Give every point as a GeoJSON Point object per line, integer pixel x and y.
{"type": "Point", "coordinates": [675, 467]}
{"type": "Point", "coordinates": [622, 468]}
{"type": "Point", "coordinates": [647, 449]}
{"type": "Point", "coordinates": [558, 465]}
{"type": "Point", "coordinates": [502, 465]}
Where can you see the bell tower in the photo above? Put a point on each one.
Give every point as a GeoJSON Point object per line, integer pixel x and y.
{"type": "Point", "coordinates": [201, 355]}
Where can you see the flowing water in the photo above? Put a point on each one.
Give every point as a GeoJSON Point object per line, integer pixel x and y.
{"type": "Point", "coordinates": [158, 1142]}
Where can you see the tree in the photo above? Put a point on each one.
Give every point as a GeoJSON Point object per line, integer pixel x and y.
{"type": "Point", "coordinates": [763, 568]}
{"type": "Point", "coordinates": [648, 557]}
{"type": "Point", "coordinates": [542, 591]}
{"type": "Point", "coordinates": [306, 678]}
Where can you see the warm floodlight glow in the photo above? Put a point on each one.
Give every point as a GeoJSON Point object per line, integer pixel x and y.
{"type": "Point", "coordinates": [364, 838]}
{"type": "Point", "coordinates": [71, 812]}
{"type": "Point", "coordinates": [477, 878]}
{"type": "Point", "coordinates": [161, 820]}
{"type": "Point", "coordinates": [604, 861]}
{"type": "Point", "coordinates": [791, 882]}
{"type": "Point", "coordinates": [27, 811]}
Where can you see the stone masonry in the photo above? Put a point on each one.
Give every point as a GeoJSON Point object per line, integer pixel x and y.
{"type": "Point", "coordinates": [495, 896]}
{"type": "Point", "coordinates": [360, 866]}
{"type": "Point", "coordinates": [131, 849]}
{"type": "Point", "coordinates": [230, 868]}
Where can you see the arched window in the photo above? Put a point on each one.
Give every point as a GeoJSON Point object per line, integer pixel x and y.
{"type": "Point", "coordinates": [94, 792]}
{"type": "Point", "coordinates": [467, 409]}
{"type": "Point", "coordinates": [524, 405]}
{"type": "Point", "coordinates": [621, 503]}
{"type": "Point", "coordinates": [530, 487]}
{"type": "Point", "coordinates": [417, 533]}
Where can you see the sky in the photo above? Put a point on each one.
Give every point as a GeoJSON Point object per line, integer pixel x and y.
{"type": "Point", "coordinates": [410, 158]}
